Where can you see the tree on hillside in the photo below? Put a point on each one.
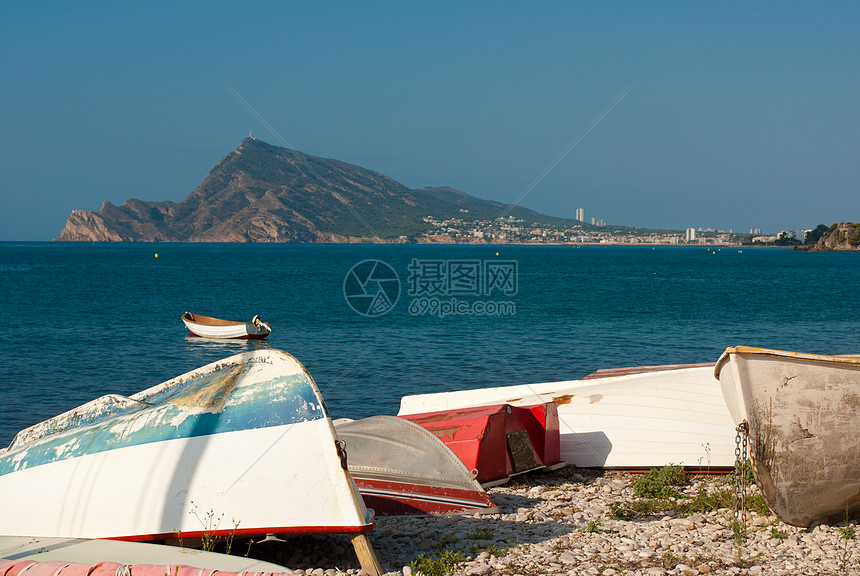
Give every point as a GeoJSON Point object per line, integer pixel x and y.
{"type": "Point", "coordinates": [814, 235]}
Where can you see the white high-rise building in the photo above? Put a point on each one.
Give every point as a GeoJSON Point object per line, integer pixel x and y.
{"type": "Point", "coordinates": [691, 235]}
{"type": "Point", "coordinates": [580, 214]}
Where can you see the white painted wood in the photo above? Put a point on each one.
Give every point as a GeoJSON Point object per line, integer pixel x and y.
{"type": "Point", "coordinates": [142, 471]}
{"type": "Point", "coordinates": [642, 420]}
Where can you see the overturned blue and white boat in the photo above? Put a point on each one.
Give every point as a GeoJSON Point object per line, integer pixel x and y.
{"type": "Point", "coordinates": [247, 439]}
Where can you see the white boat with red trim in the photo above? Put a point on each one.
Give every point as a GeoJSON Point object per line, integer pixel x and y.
{"type": "Point", "coordinates": [628, 418]}
{"type": "Point", "coordinates": [209, 327]}
{"type": "Point", "coordinates": [247, 438]}
{"type": "Point", "coordinates": [400, 469]}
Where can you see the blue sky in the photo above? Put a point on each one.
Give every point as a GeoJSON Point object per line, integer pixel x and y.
{"type": "Point", "coordinates": [741, 114]}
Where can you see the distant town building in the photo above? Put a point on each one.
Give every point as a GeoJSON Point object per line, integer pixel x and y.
{"type": "Point", "coordinates": [580, 214]}
{"type": "Point", "coordinates": [754, 231]}
{"type": "Point", "coordinates": [691, 235]}
{"type": "Point", "coordinates": [764, 239]}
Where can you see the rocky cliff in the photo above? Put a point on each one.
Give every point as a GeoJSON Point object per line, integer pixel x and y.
{"type": "Point", "coordinates": [840, 236]}
{"type": "Point", "coordinates": [263, 193]}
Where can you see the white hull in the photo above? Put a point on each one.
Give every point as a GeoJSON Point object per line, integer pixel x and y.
{"type": "Point", "coordinates": [209, 327]}
{"type": "Point", "coordinates": [802, 414]}
{"type": "Point", "coordinates": [81, 551]}
{"type": "Point", "coordinates": [146, 491]}
{"type": "Point", "coordinates": [635, 421]}
{"type": "Point", "coordinates": [208, 440]}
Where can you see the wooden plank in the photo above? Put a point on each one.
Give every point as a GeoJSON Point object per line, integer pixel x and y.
{"type": "Point", "coordinates": [366, 556]}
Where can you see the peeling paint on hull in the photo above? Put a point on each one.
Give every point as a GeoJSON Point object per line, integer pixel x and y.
{"type": "Point", "coordinates": [802, 412]}
{"type": "Point", "coordinates": [247, 437]}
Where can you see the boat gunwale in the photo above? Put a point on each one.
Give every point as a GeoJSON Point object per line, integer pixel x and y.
{"type": "Point", "coordinates": [210, 320]}
{"type": "Point", "coordinates": [808, 356]}
{"type": "Point", "coordinates": [40, 432]}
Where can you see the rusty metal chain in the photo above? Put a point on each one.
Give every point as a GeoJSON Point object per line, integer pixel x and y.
{"type": "Point", "coordinates": [740, 484]}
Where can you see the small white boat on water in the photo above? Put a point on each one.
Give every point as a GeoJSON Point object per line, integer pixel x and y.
{"type": "Point", "coordinates": [247, 439]}
{"type": "Point", "coordinates": [632, 418]}
{"type": "Point", "coordinates": [802, 414]}
{"type": "Point", "coordinates": [208, 327]}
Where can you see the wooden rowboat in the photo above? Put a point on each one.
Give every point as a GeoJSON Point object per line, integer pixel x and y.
{"type": "Point", "coordinates": [400, 468]}
{"type": "Point", "coordinates": [247, 439]}
{"type": "Point", "coordinates": [801, 411]}
{"type": "Point", "coordinates": [208, 327]}
{"type": "Point", "coordinates": [636, 419]}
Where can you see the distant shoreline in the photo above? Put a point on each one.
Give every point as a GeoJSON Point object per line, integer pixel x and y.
{"type": "Point", "coordinates": [412, 243]}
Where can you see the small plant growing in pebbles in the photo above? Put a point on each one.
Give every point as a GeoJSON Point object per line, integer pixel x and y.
{"type": "Point", "coordinates": [739, 534]}
{"type": "Point", "coordinates": [847, 533]}
{"type": "Point", "coordinates": [628, 510]}
{"type": "Point", "coordinates": [441, 566]}
{"type": "Point", "coordinates": [445, 542]}
{"type": "Point", "coordinates": [480, 534]}
{"type": "Point", "coordinates": [778, 534]}
{"type": "Point", "coordinates": [660, 482]}
{"type": "Point", "coordinates": [670, 560]}
{"type": "Point", "coordinates": [210, 525]}
{"type": "Point", "coordinates": [593, 527]}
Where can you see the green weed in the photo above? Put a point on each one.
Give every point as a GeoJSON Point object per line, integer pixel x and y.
{"type": "Point", "coordinates": [702, 502]}
{"type": "Point", "coordinates": [846, 533]}
{"type": "Point", "coordinates": [670, 560]}
{"type": "Point", "coordinates": [441, 566]}
{"type": "Point", "coordinates": [480, 534]}
{"type": "Point", "coordinates": [210, 525]}
{"type": "Point", "coordinates": [660, 482]}
{"type": "Point", "coordinates": [639, 508]}
{"type": "Point", "coordinates": [446, 541]}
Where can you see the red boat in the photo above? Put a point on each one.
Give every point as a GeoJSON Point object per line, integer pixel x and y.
{"type": "Point", "coordinates": [499, 441]}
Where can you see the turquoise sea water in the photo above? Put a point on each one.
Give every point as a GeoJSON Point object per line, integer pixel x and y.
{"type": "Point", "coordinates": [78, 321]}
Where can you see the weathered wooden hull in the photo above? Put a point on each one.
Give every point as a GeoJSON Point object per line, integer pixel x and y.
{"type": "Point", "coordinates": [639, 420]}
{"type": "Point", "coordinates": [497, 441]}
{"type": "Point", "coordinates": [246, 438]}
{"type": "Point", "coordinates": [401, 469]}
{"type": "Point", "coordinates": [802, 414]}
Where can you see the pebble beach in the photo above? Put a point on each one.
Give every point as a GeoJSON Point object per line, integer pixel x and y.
{"type": "Point", "coordinates": [562, 523]}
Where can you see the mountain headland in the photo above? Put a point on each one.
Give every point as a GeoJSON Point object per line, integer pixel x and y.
{"type": "Point", "coordinates": [264, 193]}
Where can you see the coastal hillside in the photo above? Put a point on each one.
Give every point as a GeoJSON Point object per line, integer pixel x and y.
{"type": "Point", "coordinates": [264, 193]}
{"type": "Point", "coordinates": [840, 236]}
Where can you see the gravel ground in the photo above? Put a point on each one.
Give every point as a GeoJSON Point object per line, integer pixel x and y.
{"type": "Point", "coordinates": [559, 523]}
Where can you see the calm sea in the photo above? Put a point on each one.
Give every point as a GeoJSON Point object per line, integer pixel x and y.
{"type": "Point", "coordinates": [78, 321]}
